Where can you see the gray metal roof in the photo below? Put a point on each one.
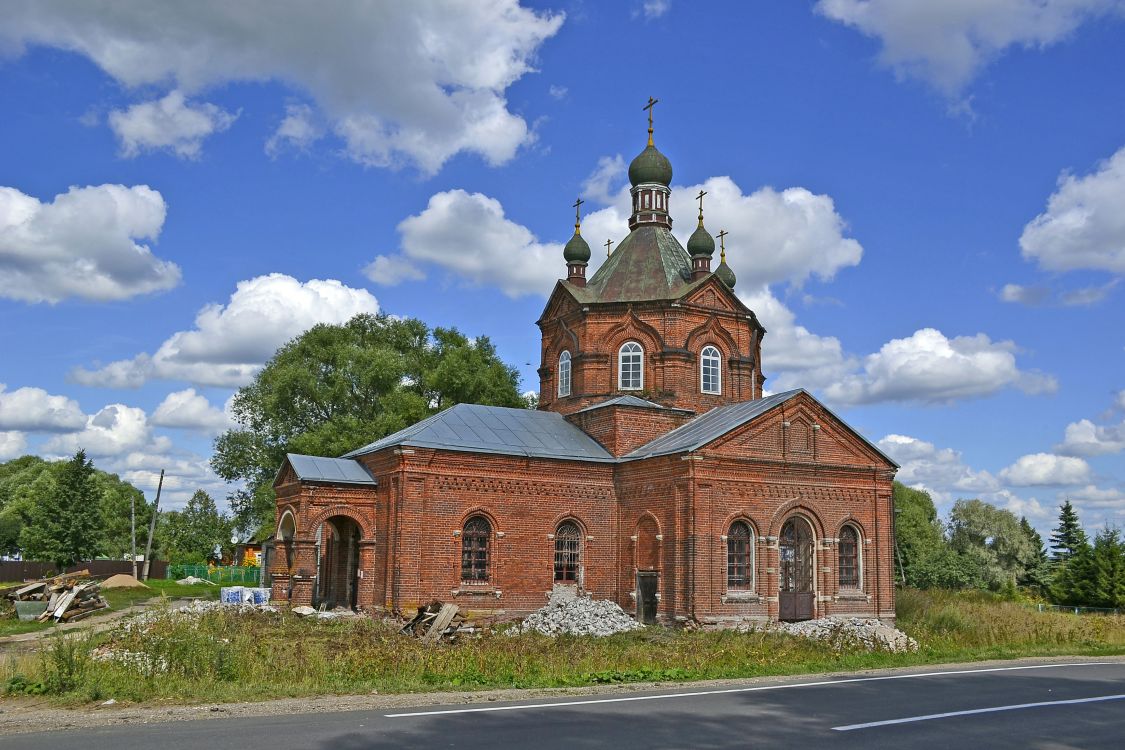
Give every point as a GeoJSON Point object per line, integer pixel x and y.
{"type": "Point", "coordinates": [335, 470]}
{"type": "Point", "coordinates": [627, 400]}
{"type": "Point", "coordinates": [709, 426]}
{"type": "Point", "coordinates": [497, 429]}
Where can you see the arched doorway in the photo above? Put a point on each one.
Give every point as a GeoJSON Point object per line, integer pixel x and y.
{"type": "Point", "coordinates": [337, 563]}
{"type": "Point", "coordinates": [795, 587]}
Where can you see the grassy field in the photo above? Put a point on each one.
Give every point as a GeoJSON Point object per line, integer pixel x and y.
{"type": "Point", "coordinates": [227, 656]}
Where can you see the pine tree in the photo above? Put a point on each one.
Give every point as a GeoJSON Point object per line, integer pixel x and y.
{"type": "Point", "coordinates": [65, 525]}
{"type": "Point", "coordinates": [1068, 537]}
{"type": "Point", "coordinates": [1037, 571]}
{"type": "Point", "coordinates": [1107, 579]}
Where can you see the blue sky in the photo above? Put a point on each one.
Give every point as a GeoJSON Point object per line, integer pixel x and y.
{"type": "Point", "coordinates": [924, 204]}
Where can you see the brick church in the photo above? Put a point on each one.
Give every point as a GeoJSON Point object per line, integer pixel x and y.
{"type": "Point", "coordinates": [656, 472]}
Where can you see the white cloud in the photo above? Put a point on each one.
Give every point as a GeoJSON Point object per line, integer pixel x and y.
{"type": "Point", "coordinates": [1046, 469]}
{"type": "Point", "coordinates": [298, 130]}
{"type": "Point", "coordinates": [1092, 496]}
{"type": "Point", "coordinates": [468, 234]}
{"type": "Point", "coordinates": [1025, 295]}
{"type": "Point", "coordinates": [1029, 507]}
{"type": "Point", "coordinates": [655, 8]}
{"type": "Point", "coordinates": [940, 470]}
{"type": "Point", "coordinates": [85, 243]}
{"type": "Point", "coordinates": [930, 367]}
{"type": "Point", "coordinates": [948, 42]}
{"type": "Point", "coordinates": [190, 410]}
{"type": "Point", "coordinates": [114, 430]}
{"type": "Point", "coordinates": [35, 410]}
{"type": "Point", "coordinates": [1083, 226]}
{"type": "Point", "coordinates": [12, 444]}
{"type": "Point", "coordinates": [604, 183]}
{"type": "Point", "coordinates": [415, 82]}
{"type": "Point", "coordinates": [1084, 438]}
{"type": "Point", "coordinates": [184, 473]}
{"type": "Point", "coordinates": [168, 123]}
{"type": "Point", "coordinates": [557, 92]}
{"type": "Point", "coordinates": [392, 270]}
{"type": "Point", "coordinates": [230, 342]}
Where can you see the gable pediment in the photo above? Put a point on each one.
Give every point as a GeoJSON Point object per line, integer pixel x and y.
{"type": "Point", "coordinates": [715, 295]}
{"type": "Point", "coordinates": [560, 304]}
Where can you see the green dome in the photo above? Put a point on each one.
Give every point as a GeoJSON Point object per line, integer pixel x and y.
{"type": "Point", "coordinates": [650, 166]}
{"type": "Point", "coordinates": [576, 250]}
{"type": "Point", "coordinates": [725, 274]}
{"type": "Point", "coordinates": [701, 243]}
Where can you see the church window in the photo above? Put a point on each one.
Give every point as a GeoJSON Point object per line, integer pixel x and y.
{"type": "Point", "coordinates": [740, 556]}
{"type": "Point", "coordinates": [475, 539]}
{"type": "Point", "coordinates": [848, 551]}
{"type": "Point", "coordinates": [648, 199]}
{"type": "Point", "coordinates": [568, 546]}
{"type": "Point", "coordinates": [630, 373]}
{"type": "Point", "coordinates": [564, 374]}
{"type": "Point", "coordinates": [709, 377]}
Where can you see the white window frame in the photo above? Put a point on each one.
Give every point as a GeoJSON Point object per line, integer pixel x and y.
{"type": "Point", "coordinates": [711, 354]}
{"type": "Point", "coordinates": [564, 374]}
{"type": "Point", "coordinates": [637, 351]}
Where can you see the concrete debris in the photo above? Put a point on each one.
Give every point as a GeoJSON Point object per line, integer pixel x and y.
{"type": "Point", "coordinates": [846, 633]}
{"type": "Point", "coordinates": [340, 613]}
{"type": "Point", "coordinates": [579, 615]}
{"type": "Point", "coordinates": [303, 611]}
{"type": "Point", "coordinates": [192, 580]}
{"type": "Point", "coordinates": [436, 621]}
{"type": "Point", "coordinates": [63, 598]}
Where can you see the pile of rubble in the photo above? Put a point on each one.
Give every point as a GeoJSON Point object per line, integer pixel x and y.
{"type": "Point", "coordinates": [849, 633]}
{"type": "Point", "coordinates": [64, 598]}
{"type": "Point", "coordinates": [579, 615]}
{"type": "Point", "coordinates": [437, 621]}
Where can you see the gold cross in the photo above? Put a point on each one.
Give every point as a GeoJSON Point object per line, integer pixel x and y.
{"type": "Point", "coordinates": [722, 245]}
{"type": "Point", "coordinates": [651, 103]}
{"type": "Point", "coordinates": [608, 245]}
{"type": "Point", "coordinates": [700, 198]}
{"type": "Point", "coordinates": [577, 216]}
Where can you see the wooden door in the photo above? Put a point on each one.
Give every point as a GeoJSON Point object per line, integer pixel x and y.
{"type": "Point", "coordinates": [795, 588]}
{"type": "Point", "coordinates": [647, 581]}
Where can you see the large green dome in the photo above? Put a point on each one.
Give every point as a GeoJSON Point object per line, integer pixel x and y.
{"type": "Point", "coordinates": [701, 243]}
{"type": "Point", "coordinates": [576, 250]}
{"type": "Point", "coordinates": [650, 166]}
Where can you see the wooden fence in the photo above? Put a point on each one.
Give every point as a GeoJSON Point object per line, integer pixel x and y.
{"type": "Point", "coordinates": [28, 570]}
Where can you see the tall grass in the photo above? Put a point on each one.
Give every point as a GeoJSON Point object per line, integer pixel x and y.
{"type": "Point", "coordinates": [225, 655]}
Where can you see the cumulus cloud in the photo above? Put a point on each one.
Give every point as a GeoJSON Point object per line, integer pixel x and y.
{"type": "Point", "coordinates": [1093, 496]}
{"type": "Point", "coordinates": [190, 410]}
{"type": "Point", "coordinates": [12, 444]}
{"type": "Point", "coordinates": [930, 367]}
{"type": "Point", "coordinates": [1032, 296]}
{"type": "Point", "coordinates": [939, 470]}
{"type": "Point", "coordinates": [1083, 227]}
{"type": "Point", "coordinates": [392, 270]}
{"type": "Point", "coordinates": [35, 410]}
{"type": "Point", "coordinates": [655, 8]}
{"type": "Point", "coordinates": [298, 130]}
{"type": "Point", "coordinates": [230, 342]}
{"type": "Point", "coordinates": [184, 473]}
{"type": "Point", "coordinates": [947, 43]}
{"type": "Point", "coordinates": [604, 183]}
{"type": "Point", "coordinates": [1084, 438]}
{"type": "Point", "coordinates": [112, 431]}
{"type": "Point", "coordinates": [169, 123]}
{"type": "Point", "coordinates": [85, 243]}
{"type": "Point", "coordinates": [398, 82]}
{"type": "Point", "coordinates": [1046, 469]}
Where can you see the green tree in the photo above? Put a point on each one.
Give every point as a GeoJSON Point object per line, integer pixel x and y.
{"type": "Point", "coordinates": [1037, 575]}
{"type": "Point", "coordinates": [1107, 570]}
{"type": "Point", "coordinates": [1068, 537]}
{"type": "Point", "coordinates": [116, 501]}
{"type": "Point", "coordinates": [65, 525]}
{"type": "Point", "coordinates": [1072, 581]}
{"type": "Point", "coordinates": [994, 539]}
{"type": "Point", "coordinates": [335, 388]}
{"type": "Point", "coordinates": [192, 534]}
{"type": "Point", "coordinates": [927, 559]}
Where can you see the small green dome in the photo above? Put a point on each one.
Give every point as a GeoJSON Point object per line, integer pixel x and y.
{"type": "Point", "coordinates": [725, 274]}
{"type": "Point", "coordinates": [701, 243]}
{"type": "Point", "coordinates": [576, 250]}
{"type": "Point", "coordinates": [650, 166]}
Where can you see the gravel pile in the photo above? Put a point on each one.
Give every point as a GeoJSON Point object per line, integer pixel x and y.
{"type": "Point", "coordinates": [850, 633]}
{"type": "Point", "coordinates": [579, 616]}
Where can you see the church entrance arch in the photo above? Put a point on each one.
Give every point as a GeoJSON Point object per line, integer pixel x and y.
{"type": "Point", "coordinates": [337, 563]}
{"type": "Point", "coordinates": [795, 552]}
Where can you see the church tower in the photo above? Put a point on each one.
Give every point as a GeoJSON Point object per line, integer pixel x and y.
{"type": "Point", "coordinates": [654, 327]}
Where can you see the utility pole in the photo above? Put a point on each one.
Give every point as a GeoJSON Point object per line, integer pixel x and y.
{"type": "Point", "coordinates": [152, 525]}
{"type": "Point", "coordinates": [133, 528]}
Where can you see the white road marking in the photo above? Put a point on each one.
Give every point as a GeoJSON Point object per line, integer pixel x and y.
{"type": "Point", "coordinates": [969, 712]}
{"type": "Point", "coordinates": [727, 691]}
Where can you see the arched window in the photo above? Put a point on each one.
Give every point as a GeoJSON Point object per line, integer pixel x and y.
{"type": "Point", "coordinates": [564, 374]}
{"type": "Point", "coordinates": [475, 538]}
{"type": "Point", "coordinates": [568, 551]}
{"type": "Point", "coordinates": [848, 551]}
{"type": "Point", "coordinates": [710, 381]}
{"type": "Point", "coordinates": [740, 556]}
{"type": "Point", "coordinates": [630, 367]}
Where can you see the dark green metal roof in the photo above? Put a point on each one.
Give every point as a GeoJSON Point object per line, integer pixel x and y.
{"type": "Point", "coordinates": [649, 264]}
{"type": "Point", "coordinates": [650, 166]}
{"type": "Point", "coordinates": [577, 250]}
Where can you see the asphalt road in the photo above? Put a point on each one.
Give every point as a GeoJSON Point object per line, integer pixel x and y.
{"type": "Point", "coordinates": [1080, 705]}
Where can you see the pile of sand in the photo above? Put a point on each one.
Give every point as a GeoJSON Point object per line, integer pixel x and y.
{"type": "Point", "coordinates": [122, 581]}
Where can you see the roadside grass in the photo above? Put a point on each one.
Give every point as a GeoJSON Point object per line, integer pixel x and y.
{"type": "Point", "coordinates": [126, 597]}
{"type": "Point", "coordinates": [226, 655]}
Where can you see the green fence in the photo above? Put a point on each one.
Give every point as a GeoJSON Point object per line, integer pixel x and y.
{"type": "Point", "coordinates": [218, 574]}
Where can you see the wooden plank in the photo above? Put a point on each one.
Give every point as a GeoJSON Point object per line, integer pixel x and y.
{"type": "Point", "coordinates": [64, 603]}
{"type": "Point", "coordinates": [440, 623]}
